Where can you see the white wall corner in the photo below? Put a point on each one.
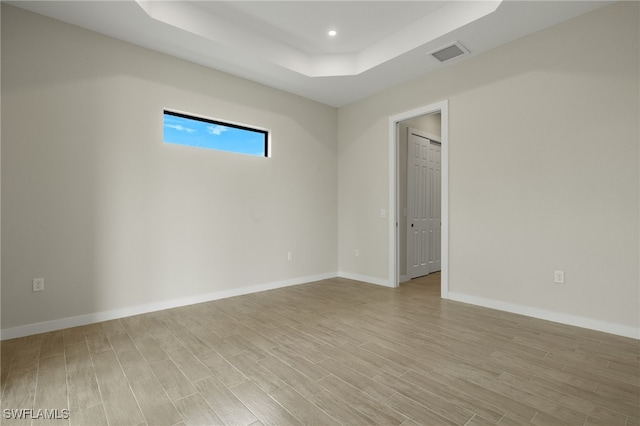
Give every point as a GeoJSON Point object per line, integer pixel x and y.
{"type": "Point", "coordinates": [366, 279]}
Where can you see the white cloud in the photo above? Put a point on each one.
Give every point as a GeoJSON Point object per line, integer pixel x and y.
{"type": "Point", "coordinates": [217, 129]}
{"type": "Point", "coordinates": [180, 128]}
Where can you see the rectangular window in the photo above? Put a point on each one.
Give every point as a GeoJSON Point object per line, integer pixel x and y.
{"type": "Point", "coordinates": [184, 129]}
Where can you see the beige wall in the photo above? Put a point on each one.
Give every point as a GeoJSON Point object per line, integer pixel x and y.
{"type": "Point", "coordinates": [93, 200]}
{"type": "Point", "coordinates": [544, 137]}
{"type": "Point", "coordinates": [0, 167]}
{"type": "Point", "coordinates": [544, 162]}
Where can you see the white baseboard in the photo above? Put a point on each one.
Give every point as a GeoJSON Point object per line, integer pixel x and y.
{"type": "Point", "coordinates": [365, 279]}
{"type": "Point", "coordinates": [578, 321]}
{"type": "Point", "coordinates": [62, 323]}
{"type": "Point", "coordinates": [59, 324]}
{"type": "Point", "coordinates": [404, 278]}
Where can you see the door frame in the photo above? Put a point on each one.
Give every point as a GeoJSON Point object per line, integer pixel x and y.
{"type": "Point", "coordinates": [431, 138]}
{"type": "Point", "coordinates": [394, 240]}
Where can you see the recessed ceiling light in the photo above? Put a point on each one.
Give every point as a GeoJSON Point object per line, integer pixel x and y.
{"type": "Point", "coordinates": [332, 33]}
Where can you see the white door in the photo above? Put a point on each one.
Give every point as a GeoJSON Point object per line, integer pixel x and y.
{"type": "Point", "coordinates": [423, 204]}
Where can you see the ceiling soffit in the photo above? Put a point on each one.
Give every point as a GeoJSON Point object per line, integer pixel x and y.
{"type": "Point", "coordinates": [215, 29]}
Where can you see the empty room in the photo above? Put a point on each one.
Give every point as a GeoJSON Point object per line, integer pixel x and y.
{"type": "Point", "coordinates": [320, 213]}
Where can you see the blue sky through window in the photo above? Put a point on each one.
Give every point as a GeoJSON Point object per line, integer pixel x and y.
{"type": "Point", "coordinates": [202, 133]}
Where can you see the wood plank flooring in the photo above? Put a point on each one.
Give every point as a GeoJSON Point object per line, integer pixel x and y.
{"type": "Point", "coordinates": [326, 353]}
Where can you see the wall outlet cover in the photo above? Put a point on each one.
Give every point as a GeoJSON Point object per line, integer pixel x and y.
{"type": "Point", "coordinates": [38, 284]}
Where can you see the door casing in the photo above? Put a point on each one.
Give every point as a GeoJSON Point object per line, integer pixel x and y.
{"type": "Point", "coordinates": [394, 269]}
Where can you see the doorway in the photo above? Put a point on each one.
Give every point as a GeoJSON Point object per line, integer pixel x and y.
{"type": "Point", "coordinates": [423, 197]}
{"type": "Point", "coordinates": [397, 186]}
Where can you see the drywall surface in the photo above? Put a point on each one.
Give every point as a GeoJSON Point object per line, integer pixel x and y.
{"type": "Point", "coordinates": [112, 217]}
{"type": "Point", "coordinates": [543, 170]}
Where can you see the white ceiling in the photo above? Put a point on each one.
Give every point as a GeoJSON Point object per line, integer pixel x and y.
{"type": "Point", "coordinates": [304, 25]}
{"type": "Point", "coordinates": [284, 44]}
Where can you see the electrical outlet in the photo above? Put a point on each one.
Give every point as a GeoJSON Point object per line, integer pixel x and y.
{"type": "Point", "coordinates": [290, 255]}
{"type": "Point", "coordinates": [558, 277]}
{"type": "Point", "coordinates": [38, 284]}
{"type": "Point", "coordinates": [357, 252]}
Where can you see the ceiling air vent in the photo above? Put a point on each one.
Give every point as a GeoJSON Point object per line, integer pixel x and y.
{"type": "Point", "coordinates": [447, 53]}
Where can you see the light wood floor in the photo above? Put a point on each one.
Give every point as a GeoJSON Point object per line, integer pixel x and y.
{"type": "Point", "coordinates": [331, 352]}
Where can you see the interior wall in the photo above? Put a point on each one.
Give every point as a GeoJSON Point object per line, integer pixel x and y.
{"type": "Point", "coordinates": [544, 145]}
{"type": "Point", "coordinates": [543, 171]}
{"type": "Point", "coordinates": [431, 124]}
{"type": "Point", "coordinates": [0, 168]}
{"type": "Point", "coordinates": [110, 216]}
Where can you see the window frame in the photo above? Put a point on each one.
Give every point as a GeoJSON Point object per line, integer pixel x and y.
{"type": "Point", "coordinates": [266, 133]}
